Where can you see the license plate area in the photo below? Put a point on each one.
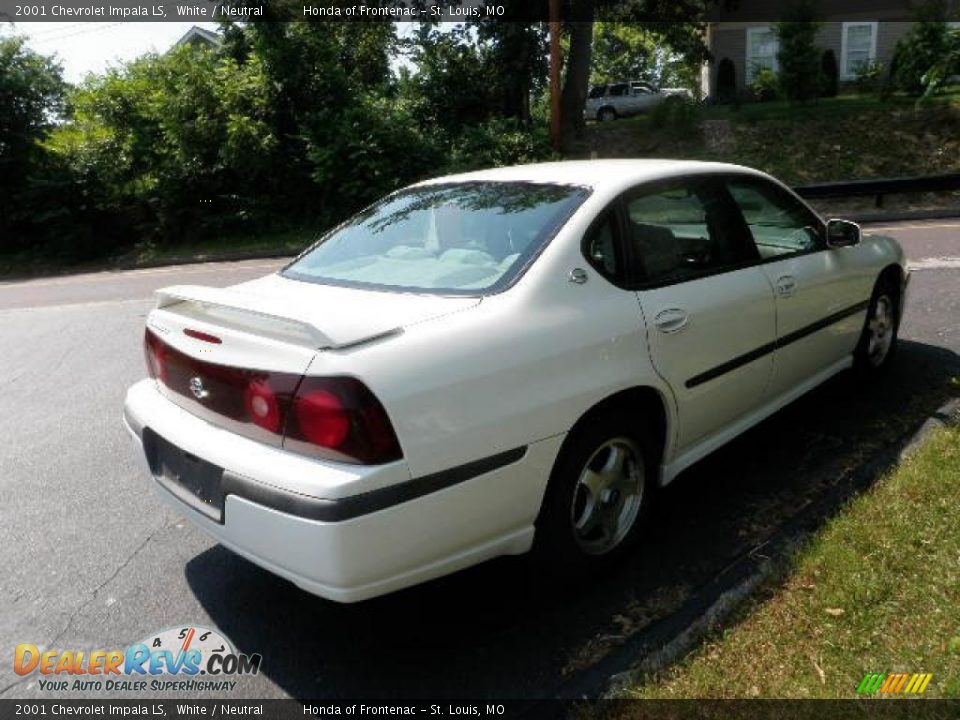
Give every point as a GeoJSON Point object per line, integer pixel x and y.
{"type": "Point", "coordinates": [192, 480]}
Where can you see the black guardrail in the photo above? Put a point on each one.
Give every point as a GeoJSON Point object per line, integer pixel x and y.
{"type": "Point", "coordinates": [881, 187]}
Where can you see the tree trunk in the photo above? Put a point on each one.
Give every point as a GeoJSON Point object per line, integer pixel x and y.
{"type": "Point", "coordinates": [577, 78]}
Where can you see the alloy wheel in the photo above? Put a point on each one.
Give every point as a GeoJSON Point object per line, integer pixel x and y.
{"type": "Point", "coordinates": [880, 328]}
{"type": "Point", "coordinates": [608, 496]}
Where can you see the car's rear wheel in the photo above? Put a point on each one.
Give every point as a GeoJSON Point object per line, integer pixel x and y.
{"type": "Point", "coordinates": [606, 114]}
{"type": "Point", "coordinates": [599, 493]}
{"type": "Point", "coordinates": [878, 340]}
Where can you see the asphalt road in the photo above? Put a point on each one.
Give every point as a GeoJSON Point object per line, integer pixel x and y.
{"type": "Point", "coordinates": [91, 559]}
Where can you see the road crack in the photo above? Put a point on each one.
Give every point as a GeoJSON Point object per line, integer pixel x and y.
{"type": "Point", "coordinates": [96, 591]}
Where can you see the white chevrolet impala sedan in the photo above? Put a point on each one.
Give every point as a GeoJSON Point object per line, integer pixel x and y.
{"type": "Point", "coordinates": [499, 362]}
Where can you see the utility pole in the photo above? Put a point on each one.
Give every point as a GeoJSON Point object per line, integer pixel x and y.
{"type": "Point", "coordinates": [555, 74]}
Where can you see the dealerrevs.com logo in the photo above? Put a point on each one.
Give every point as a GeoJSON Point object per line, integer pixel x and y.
{"type": "Point", "coordinates": [188, 658]}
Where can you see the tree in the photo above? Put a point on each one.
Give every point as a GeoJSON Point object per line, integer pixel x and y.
{"type": "Point", "coordinates": [449, 84]}
{"type": "Point", "coordinates": [922, 47]}
{"type": "Point", "coordinates": [513, 58]}
{"type": "Point", "coordinates": [624, 51]}
{"type": "Point", "coordinates": [946, 66]}
{"type": "Point", "coordinates": [178, 143]}
{"type": "Point", "coordinates": [31, 99]}
{"type": "Point", "coordinates": [798, 57]}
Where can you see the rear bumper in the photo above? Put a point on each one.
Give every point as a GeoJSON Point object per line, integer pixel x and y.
{"type": "Point", "coordinates": [347, 532]}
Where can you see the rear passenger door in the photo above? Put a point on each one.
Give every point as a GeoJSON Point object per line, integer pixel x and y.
{"type": "Point", "coordinates": [707, 305]}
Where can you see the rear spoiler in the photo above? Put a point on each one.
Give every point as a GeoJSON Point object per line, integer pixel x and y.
{"type": "Point", "coordinates": [245, 312]}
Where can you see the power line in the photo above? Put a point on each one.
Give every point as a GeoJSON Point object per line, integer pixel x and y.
{"type": "Point", "coordinates": [82, 31]}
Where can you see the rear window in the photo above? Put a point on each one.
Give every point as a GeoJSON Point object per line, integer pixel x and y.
{"type": "Point", "coordinates": [457, 238]}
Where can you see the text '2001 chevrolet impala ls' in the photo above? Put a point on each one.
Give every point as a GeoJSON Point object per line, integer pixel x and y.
{"type": "Point", "coordinates": [498, 362]}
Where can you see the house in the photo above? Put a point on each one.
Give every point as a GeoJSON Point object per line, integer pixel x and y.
{"type": "Point", "coordinates": [198, 37]}
{"type": "Point", "coordinates": [858, 32]}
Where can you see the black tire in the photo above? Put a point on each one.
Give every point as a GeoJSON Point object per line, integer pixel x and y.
{"type": "Point", "coordinates": [606, 114]}
{"type": "Point", "coordinates": [562, 550]}
{"type": "Point", "coordinates": [878, 339]}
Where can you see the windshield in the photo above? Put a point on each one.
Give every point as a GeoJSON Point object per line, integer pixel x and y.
{"type": "Point", "coordinates": [459, 238]}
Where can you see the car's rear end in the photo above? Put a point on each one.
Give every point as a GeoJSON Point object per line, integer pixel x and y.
{"type": "Point", "coordinates": [270, 459]}
{"type": "Point", "coordinates": [266, 419]}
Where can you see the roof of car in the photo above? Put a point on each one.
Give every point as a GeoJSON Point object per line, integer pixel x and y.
{"type": "Point", "coordinates": [597, 174]}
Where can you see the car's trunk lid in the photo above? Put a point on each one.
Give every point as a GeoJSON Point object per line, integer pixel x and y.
{"type": "Point", "coordinates": [220, 343]}
{"type": "Point", "coordinates": [278, 324]}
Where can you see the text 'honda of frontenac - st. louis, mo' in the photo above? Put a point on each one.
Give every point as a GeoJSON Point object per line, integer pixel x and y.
{"type": "Point", "coordinates": [499, 362]}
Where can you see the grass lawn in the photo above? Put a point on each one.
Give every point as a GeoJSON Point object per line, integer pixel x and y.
{"type": "Point", "coordinates": [878, 590]}
{"type": "Point", "coordinates": [842, 138]}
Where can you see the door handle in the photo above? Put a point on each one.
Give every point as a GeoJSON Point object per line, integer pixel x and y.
{"type": "Point", "coordinates": [671, 320]}
{"type": "Point", "coordinates": [786, 285]}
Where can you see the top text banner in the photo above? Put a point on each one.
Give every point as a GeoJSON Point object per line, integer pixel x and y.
{"type": "Point", "coordinates": [386, 10]}
{"type": "Point", "coordinates": [268, 10]}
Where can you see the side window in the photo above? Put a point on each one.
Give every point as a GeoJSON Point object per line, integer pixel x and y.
{"type": "Point", "coordinates": [618, 90]}
{"type": "Point", "coordinates": [600, 247]}
{"type": "Point", "coordinates": [597, 91]}
{"type": "Point", "coordinates": [779, 224]}
{"type": "Point", "coordinates": [683, 231]}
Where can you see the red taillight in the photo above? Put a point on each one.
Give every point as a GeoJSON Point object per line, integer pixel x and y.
{"type": "Point", "coordinates": [262, 405]}
{"type": "Point", "coordinates": [155, 352]}
{"type": "Point", "coordinates": [342, 420]}
{"type": "Point", "coordinates": [333, 417]}
{"type": "Point", "coordinates": [322, 418]}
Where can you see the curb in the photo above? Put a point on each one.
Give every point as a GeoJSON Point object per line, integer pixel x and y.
{"type": "Point", "coordinates": [661, 645]}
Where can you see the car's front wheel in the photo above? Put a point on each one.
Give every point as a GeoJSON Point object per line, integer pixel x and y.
{"type": "Point", "coordinates": [598, 495]}
{"type": "Point", "coordinates": [606, 114]}
{"type": "Point", "coordinates": [878, 340]}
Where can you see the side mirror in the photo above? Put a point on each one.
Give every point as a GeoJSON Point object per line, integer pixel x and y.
{"type": "Point", "coordinates": [842, 233]}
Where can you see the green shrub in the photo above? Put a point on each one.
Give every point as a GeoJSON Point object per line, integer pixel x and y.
{"type": "Point", "coordinates": [921, 48]}
{"type": "Point", "coordinates": [798, 56]}
{"type": "Point", "coordinates": [829, 74]}
{"type": "Point", "coordinates": [871, 77]}
{"type": "Point", "coordinates": [765, 85]}
{"type": "Point", "coordinates": [498, 142]}
{"type": "Point", "coordinates": [726, 81]}
{"type": "Point", "coordinates": [676, 116]}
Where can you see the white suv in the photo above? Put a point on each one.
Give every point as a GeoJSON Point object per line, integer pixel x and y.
{"type": "Point", "coordinates": [622, 99]}
{"type": "Point", "coordinates": [501, 361]}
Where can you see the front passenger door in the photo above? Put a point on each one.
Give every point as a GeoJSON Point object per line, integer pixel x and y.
{"type": "Point", "coordinates": [708, 307]}
{"type": "Point", "coordinates": [820, 302]}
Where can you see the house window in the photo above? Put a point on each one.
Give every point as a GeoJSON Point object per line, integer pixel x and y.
{"type": "Point", "coordinates": [762, 46]}
{"type": "Point", "coordinates": [859, 47]}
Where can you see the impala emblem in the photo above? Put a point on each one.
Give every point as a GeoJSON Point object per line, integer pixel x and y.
{"type": "Point", "coordinates": [196, 387]}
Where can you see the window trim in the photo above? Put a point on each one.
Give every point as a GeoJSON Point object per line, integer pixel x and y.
{"type": "Point", "coordinates": [749, 71]}
{"type": "Point", "coordinates": [874, 25]}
